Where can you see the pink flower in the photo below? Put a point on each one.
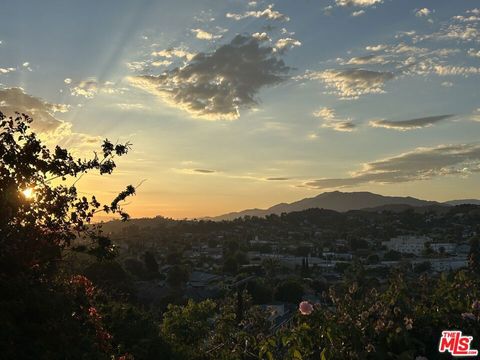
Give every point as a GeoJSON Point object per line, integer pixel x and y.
{"type": "Point", "coordinates": [476, 305]}
{"type": "Point", "coordinates": [305, 308]}
{"type": "Point", "coordinates": [468, 316]}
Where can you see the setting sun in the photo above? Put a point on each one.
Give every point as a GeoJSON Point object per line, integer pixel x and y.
{"type": "Point", "coordinates": [28, 193]}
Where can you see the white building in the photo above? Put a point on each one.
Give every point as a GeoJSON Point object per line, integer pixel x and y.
{"type": "Point", "coordinates": [448, 248]}
{"type": "Point", "coordinates": [447, 264]}
{"type": "Point", "coordinates": [444, 264]}
{"type": "Point", "coordinates": [407, 244]}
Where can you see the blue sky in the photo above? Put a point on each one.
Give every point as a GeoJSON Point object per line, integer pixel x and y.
{"type": "Point", "coordinates": [238, 104]}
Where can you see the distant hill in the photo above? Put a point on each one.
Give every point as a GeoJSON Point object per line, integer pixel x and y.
{"type": "Point", "coordinates": [462, 202]}
{"type": "Point", "coordinates": [397, 208]}
{"type": "Point", "coordinates": [336, 200]}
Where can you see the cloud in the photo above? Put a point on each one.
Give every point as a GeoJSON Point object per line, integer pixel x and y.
{"type": "Point", "coordinates": [358, 3]}
{"type": "Point", "coordinates": [352, 83]}
{"type": "Point", "coordinates": [475, 115]}
{"type": "Point", "coordinates": [50, 129]}
{"type": "Point", "coordinates": [277, 179]}
{"type": "Point", "coordinates": [358, 13]}
{"type": "Point", "coordinates": [444, 70]}
{"type": "Point", "coordinates": [268, 13]}
{"type": "Point", "coordinates": [423, 12]}
{"type": "Point", "coordinates": [90, 87]}
{"type": "Point", "coordinates": [464, 28]}
{"type": "Point", "coordinates": [371, 59]}
{"type": "Point", "coordinates": [420, 164]}
{"type": "Point", "coordinates": [197, 171]}
{"type": "Point", "coordinates": [215, 85]}
{"type": "Point", "coordinates": [411, 124]}
{"type": "Point", "coordinates": [6, 70]}
{"type": "Point", "coordinates": [130, 106]}
{"type": "Point", "coordinates": [331, 121]}
{"type": "Point", "coordinates": [325, 113]}
{"type": "Point", "coordinates": [261, 36]}
{"type": "Point", "coordinates": [204, 35]}
{"type": "Point", "coordinates": [378, 47]}
{"type": "Point", "coordinates": [174, 53]}
{"type": "Point", "coordinates": [342, 126]}
{"type": "Point", "coordinates": [16, 100]}
{"type": "Point", "coordinates": [204, 171]}
{"type": "Point", "coordinates": [87, 88]}
{"type": "Point", "coordinates": [161, 63]}
{"type": "Point", "coordinates": [474, 53]}
{"type": "Point", "coordinates": [283, 44]}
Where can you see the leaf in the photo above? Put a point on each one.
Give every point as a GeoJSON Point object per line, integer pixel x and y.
{"type": "Point", "coordinates": [322, 354]}
{"type": "Point", "coordinates": [297, 355]}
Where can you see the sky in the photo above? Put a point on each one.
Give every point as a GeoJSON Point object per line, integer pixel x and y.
{"type": "Point", "coordinates": [244, 104]}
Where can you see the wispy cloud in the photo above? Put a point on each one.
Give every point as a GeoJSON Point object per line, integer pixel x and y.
{"type": "Point", "coordinates": [358, 13]}
{"type": "Point", "coordinates": [90, 87]}
{"type": "Point", "coordinates": [6, 70]}
{"type": "Point", "coordinates": [332, 121]}
{"type": "Point", "coordinates": [358, 3]}
{"type": "Point", "coordinates": [410, 124]}
{"type": "Point", "coordinates": [423, 12]}
{"type": "Point", "coordinates": [267, 13]}
{"type": "Point", "coordinates": [205, 35]}
{"type": "Point", "coordinates": [351, 83]}
{"type": "Point", "coordinates": [420, 164]}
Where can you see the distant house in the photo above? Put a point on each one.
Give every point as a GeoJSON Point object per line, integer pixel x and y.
{"type": "Point", "coordinates": [448, 248]}
{"type": "Point", "coordinates": [444, 264]}
{"type": "Point", "coordinates": [337, 256]}
{"type": "Point", "coordinates": [407, 244]}
{"type": "Point", "coordinates": [279, 315]}
{"type": "Point", "coordinates": [199, 279]}
{"type": "Point", "coordinates": [463, 249]}
{"type": "Point", "coordinates": [453, 263]}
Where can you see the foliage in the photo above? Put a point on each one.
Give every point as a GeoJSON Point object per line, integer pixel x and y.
{"type": "Point", "coordinates": [402, 322]}
{"type": "Point", "coordinates": [290, 291]}
{"type": "Point", "coordinates": [185, 326]}
{"type": "Point", "coordinates": [45, 313]}
{"type": "Point", "coordinates": [34, 231]}
{"type": "Point", "coordinates": [177, 276]}
{"type": "Point", "coordinates": [135, 332]}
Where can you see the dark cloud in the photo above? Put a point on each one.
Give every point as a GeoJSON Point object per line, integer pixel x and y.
{"type": "Point", "coordinates": [410, 124]}
{"type": "Point", "coordinates": [51, 130]}
{"type": "Point", "coordinates": [278, 179]}
{"type": "Point", "coordinates": [419, 164]}
{"type": "Point", "coordinates": [16, 100]}
{"type": "Point", "coordinates": [215, 85]}
{"type": "Point", "coordinates": [204, 171]}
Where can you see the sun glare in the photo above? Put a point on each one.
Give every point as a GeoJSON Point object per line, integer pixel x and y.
{"type": "Point", "coordinates": [28, 193]}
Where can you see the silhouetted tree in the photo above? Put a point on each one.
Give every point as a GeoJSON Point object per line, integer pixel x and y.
{"type": "Point", "coordinates": [151, 264]}
{"type": "Point", "coordinates": [46, 314]}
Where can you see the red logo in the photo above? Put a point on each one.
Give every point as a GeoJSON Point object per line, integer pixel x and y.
{"type": "Point", "coordinates": [456, 344]}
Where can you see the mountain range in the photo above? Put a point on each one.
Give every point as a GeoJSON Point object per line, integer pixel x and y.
{"type": "Point", "coordinates": [345, 201]}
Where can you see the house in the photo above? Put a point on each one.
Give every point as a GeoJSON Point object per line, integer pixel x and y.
{"type": "Point", "coordinates": [407, 244]}
{"type": "Point", "coordinates": [199, 279]}
{"type": "Point", "coordinates": [448, 248]}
